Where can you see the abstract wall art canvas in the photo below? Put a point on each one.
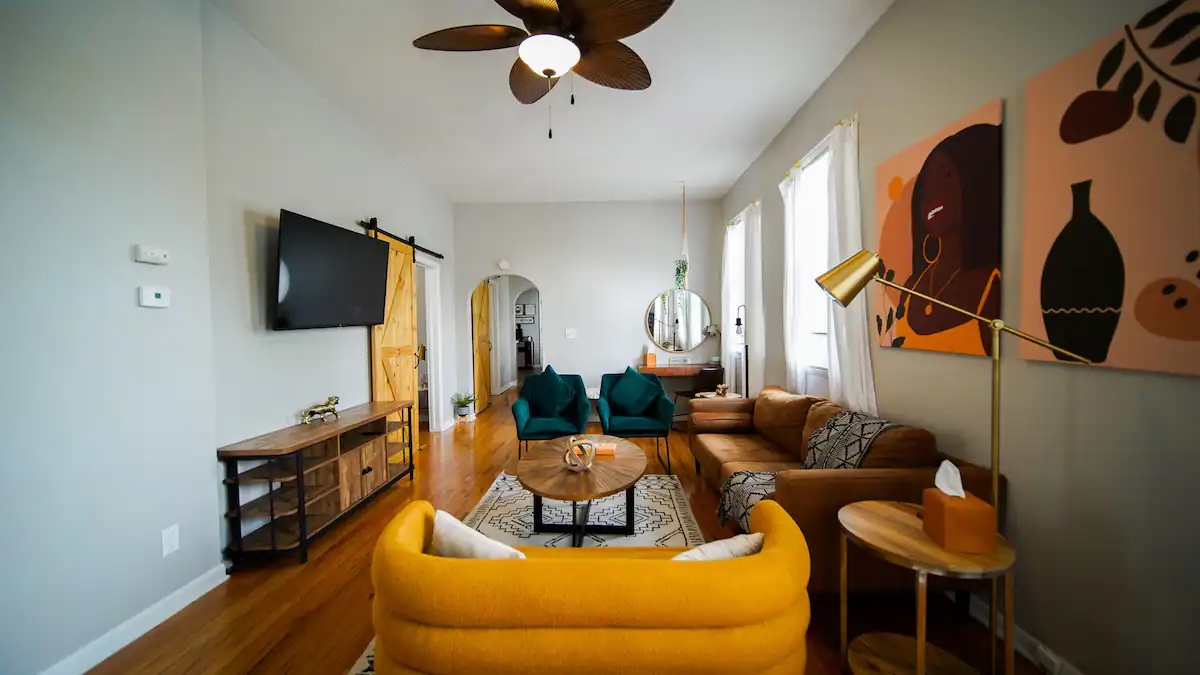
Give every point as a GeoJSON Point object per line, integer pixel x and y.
{"type": "Point", "coordinates": [938, 205]}
{"type": "Point", "coordinates": [1110, 243]}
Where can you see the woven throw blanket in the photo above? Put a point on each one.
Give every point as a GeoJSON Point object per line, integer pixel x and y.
{"type": "Point", "coordinates": [740, 493]}
{"type": "Point", "coordinates": [844, 441]}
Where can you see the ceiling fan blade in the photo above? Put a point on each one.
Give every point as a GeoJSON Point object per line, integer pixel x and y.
{"type": "Point", "coordinates": [520, 8]}
{"type": "Point", "coordinates": [528, 86]}
{"type": "Point", "coordinates": [472, 39]}
{"type": "Point", "coordinates": [614, 65]}
{"type": "Point", "coordinates": [612, 20]}
{"type": "Point", "coordinates": [532, 12]}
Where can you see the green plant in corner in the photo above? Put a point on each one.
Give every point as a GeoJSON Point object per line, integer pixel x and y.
{"type": "Point", "coordinates": [462, 404]}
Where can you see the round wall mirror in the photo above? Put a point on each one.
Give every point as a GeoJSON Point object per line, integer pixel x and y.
{"type": "Point", "coordinates": [677, 320]}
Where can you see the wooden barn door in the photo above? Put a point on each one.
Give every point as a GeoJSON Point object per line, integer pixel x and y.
{"type": "Point", "coordinates": [394, 342]}
{"type": "Point", "coordinates": [481, 344]}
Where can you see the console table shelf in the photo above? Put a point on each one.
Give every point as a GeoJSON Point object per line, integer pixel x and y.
{"type": "Point", "coordinates": [313, 474]}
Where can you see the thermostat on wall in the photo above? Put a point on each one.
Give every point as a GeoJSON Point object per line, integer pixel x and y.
{"type": "Point", "coordinates": [157, 297]}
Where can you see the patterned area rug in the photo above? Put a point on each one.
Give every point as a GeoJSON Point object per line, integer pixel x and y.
{"type": "Point", "coordinates": [662, 517]}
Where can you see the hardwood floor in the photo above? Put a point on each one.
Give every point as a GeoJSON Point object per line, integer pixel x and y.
{"type": "Point", "coordinates": [316, 618]}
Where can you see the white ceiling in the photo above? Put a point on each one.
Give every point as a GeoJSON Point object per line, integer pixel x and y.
{"type": "Point", "coordinates": [728, 75]}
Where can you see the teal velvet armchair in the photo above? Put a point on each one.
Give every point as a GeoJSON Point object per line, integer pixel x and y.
{"type": "Point", "coordinates": [647, 416]}
{"type": "Point", "coordinates": [550, 406]}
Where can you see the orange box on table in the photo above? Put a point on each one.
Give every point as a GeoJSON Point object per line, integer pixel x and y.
{"type": "Point", "coordinates": [956, 524]}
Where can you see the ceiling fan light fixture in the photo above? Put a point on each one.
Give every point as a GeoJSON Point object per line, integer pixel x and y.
{"type": "Point", "coordinates": [549, 55]}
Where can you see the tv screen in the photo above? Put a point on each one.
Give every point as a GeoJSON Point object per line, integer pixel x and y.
{"type": "Point", "coordinates": [327, 276]}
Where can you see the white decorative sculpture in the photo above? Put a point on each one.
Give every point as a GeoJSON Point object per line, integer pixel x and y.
{"type": "Point", "coordinates": [580, 454]}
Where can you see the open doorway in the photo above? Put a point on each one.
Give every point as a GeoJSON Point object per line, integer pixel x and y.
{"type": "Point", "coordinates": [505, 335]}
{"type": "Point", "coordinates": [422, 351]}
{"type": "Point", "coordinates": [432, 402]}
{"type": "Point", "coordinates": [527, 313]}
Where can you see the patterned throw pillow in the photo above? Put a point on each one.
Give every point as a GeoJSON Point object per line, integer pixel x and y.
{"type": "Point", "coordinates": [844, 441]}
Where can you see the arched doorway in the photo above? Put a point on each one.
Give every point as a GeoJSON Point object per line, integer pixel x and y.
{"type": "Point", "coordinates": [505, 335]}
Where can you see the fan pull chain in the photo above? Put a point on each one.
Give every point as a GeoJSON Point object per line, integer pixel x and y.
{"type": "Point", "coordinates": [550, 109]}
{"type": "Point", "coordinates": [572, 87]}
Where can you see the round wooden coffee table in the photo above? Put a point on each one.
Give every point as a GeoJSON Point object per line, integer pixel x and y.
{"type": "Point", "coordinates": [893, 531]}
{"type": "Point", "coordinates": [543, 472]}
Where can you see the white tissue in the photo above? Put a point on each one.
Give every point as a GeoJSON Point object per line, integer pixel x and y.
{"type": "Point", "coordinates": [949, 480]}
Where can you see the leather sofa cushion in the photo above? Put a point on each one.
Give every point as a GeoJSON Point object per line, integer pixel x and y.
{"type": "Point", "coordinates": [715, 450]}
{"type": "Point", "coordinates": [896, 448]}
{"type": "Point", "coordinates": [722, 423]}
{"type": "Point", "coordinates": [780, 417]}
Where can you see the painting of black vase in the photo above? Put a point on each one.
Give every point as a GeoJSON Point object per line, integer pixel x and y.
{"type": "Point", "coordinates": [1111, 198]}
{"type": "Point", "coordinates": [1083, 283]}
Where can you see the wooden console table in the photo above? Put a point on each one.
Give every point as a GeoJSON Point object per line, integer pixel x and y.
{"type": "Point", "coordinates": [313, 474]}
{"type": "Point", "coordinates": [678, 370]}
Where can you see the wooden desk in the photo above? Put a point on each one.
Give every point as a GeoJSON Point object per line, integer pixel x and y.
{"type": "Point", "coordinates": [678, 370]}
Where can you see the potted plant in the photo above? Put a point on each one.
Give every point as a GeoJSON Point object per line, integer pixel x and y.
{"type": "Point", "coordinates": [462, 404]}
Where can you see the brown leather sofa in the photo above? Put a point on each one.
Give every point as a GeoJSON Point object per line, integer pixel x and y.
{"type": "Point", "coordinates": [770, 433]}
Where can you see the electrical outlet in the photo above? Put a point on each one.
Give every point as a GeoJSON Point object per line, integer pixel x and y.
{"type": "Point", "coordinates": [170, 540]}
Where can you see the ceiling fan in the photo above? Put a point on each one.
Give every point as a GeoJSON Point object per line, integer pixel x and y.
{"type": "Point", "coordinates": [561, 36]}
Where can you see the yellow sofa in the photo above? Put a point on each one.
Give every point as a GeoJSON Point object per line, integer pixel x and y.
{"type": "Point", "coordinates": [590, 611]}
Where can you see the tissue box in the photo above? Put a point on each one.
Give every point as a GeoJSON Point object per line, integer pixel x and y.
{"type": "Point", "coordinates": [960, 525]}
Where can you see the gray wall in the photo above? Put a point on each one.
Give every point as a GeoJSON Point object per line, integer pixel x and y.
{"type": "Point", "coordinates": [597, 266]}
{"type": "Point", "coordinates": [1101, 462]}
{"type": "Point", "coordinates": [157, 122]}
{"type": "Point", "coordinates": [275, 142]}
{"type": "Point", "coordinates": [108, 426]}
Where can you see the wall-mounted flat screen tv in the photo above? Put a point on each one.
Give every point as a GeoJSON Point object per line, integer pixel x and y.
{"type": "Point", "coordinates": [328, 277]}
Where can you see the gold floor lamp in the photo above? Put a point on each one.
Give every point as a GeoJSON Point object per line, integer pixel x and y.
{"type": "Point", "coordinates": [844, 282]}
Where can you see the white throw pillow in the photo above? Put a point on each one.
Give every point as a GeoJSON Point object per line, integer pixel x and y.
{"type": "Point", "coordinates": [453, 539]}
{"type": "Point", "coordinates": [726, 549]}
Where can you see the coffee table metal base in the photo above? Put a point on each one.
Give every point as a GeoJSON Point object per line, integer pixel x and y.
{"type": "Point", "coordinates": [579, 516]}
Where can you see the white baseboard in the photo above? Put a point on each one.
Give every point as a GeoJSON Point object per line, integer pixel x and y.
{"type": "Point", "coordinates": [1026, 644]}
{"type": "Point", "coordinates": [91, 654]}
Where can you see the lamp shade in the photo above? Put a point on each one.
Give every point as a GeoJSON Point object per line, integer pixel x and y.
{"type": "Point", "coordinates": [844, 282]}
{"type": "Point", "coordinates": [549, 55]}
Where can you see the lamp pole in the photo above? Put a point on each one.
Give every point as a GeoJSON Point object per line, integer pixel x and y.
{"type": "Point", "coordinates": [998, 327]}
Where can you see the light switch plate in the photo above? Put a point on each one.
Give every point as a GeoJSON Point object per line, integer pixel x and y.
{"type": "Point", "coordinates": [571, 333]}
{"type": "Point", "coordinates": [155, 297]}
{"type": "Point", "coordinates": [170, 540]}
{"type": "Point", "coordinates": [151, 255]}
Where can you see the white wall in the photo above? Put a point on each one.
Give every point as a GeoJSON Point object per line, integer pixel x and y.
{"type": "Point", "coordinates": [108, 434]}
{"type": "Point", "coordinates": [276, 142]}
{"type": "Point", "coordinates": [1101, 462]}
{"type": "Point", "coordinates": [157, 122]}
{"type": "Point", "coordinates": [597, 266]}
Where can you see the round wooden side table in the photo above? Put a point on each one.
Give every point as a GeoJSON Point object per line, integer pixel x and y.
{"type": "Point", "coordinates": [893, 531]}
{"type": "Point", "coordinates": [544, 473]}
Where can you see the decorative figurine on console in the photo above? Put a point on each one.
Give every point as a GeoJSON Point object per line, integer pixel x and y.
{"type": "Point", "coordinates": [319, 411]}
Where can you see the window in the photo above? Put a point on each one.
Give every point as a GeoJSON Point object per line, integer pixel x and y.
{"type": "Point", "coordinates": [806, 308]}
{"type": "Point", "coordinates": [735, 275]}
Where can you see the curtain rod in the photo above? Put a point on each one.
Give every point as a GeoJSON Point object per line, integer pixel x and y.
{"type": "Point", "coordinates": [372, 225]}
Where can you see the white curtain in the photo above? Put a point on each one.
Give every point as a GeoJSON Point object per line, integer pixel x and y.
{"type": "Point", "coordinates": [851, 379]}
{"type": "Point", "coordinates": [756, 338]}
{"type": "Point", "coordinates": [800, 346]}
